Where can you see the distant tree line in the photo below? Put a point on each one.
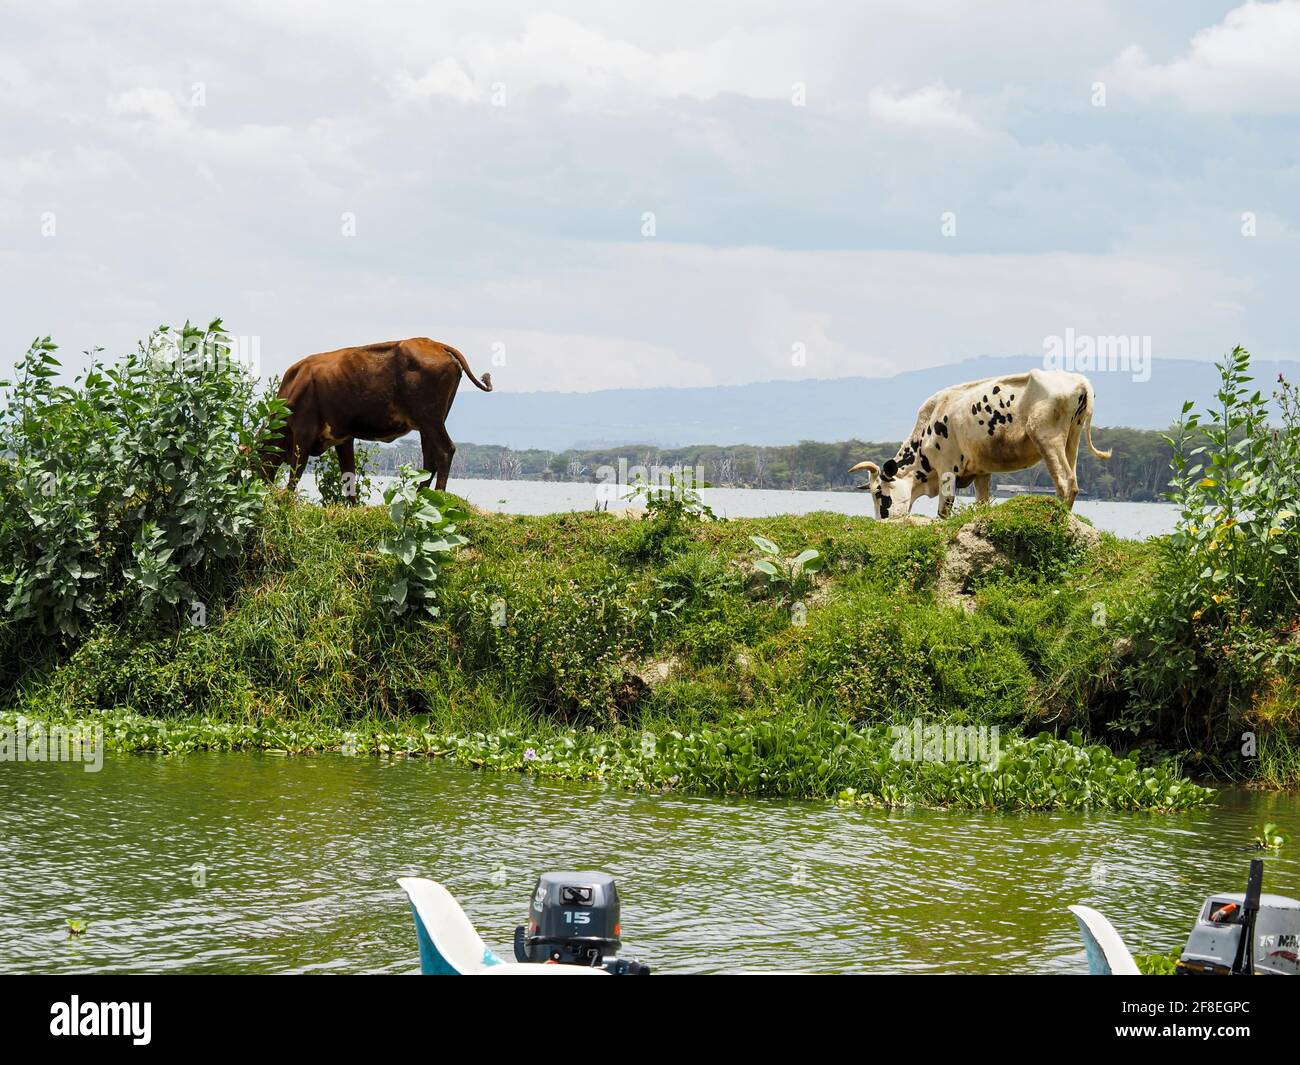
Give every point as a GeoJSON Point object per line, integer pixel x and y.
{"type": "Point", "coordinates": [1138, 470]}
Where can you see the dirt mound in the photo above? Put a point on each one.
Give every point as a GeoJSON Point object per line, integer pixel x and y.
{"type": "Point", "coordinates": [978, 551]}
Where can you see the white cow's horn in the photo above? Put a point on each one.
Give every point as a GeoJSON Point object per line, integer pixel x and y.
{"type": "Point", "coordinates": [873, 471]}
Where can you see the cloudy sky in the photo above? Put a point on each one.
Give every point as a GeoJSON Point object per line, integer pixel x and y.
{"type": "Point", "coordinates": [685, 193]}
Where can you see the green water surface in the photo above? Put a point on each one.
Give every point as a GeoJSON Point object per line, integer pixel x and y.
{"type": "Point", "coordinates": [248, 863]}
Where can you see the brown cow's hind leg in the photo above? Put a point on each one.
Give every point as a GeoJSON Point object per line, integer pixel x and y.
{"type": "Point", "coordinates": [438, 453]}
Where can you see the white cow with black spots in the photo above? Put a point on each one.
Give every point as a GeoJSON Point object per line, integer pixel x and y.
{"type": "Point", "coordinates": [968, 432]}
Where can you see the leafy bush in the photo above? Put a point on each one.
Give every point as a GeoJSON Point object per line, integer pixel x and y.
{"type": "Point", "coordinates": [338, 488]}
{"type": "Point", "coordinates": [424, 529]}
{"type": "Point", "coordinates": [1217, 629]}
{"type": "Point", "coordinates": [1238, 490]}
{"type": "Point", "coordinates": [670, 510]}
{"type": "Point", "coordinates": [130, 487]}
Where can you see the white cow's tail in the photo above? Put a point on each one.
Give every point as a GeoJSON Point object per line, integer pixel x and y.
{"type": "Point", "coordinates": [1092, 403]}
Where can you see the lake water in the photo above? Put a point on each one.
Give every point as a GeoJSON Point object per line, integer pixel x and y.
{"type": "Point", "coordinates": [248, 863]}
{"type": "Point", "coordinates": [1130, 520]}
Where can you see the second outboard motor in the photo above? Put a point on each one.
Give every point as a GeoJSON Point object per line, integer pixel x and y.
{"type": "Point", "coordinates": [1240, 933]}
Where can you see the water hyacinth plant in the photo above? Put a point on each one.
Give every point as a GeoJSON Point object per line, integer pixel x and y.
{"type": "Point", "coordinates": [1270, 837]}
{"type": "Point", "coordinates": [805, 758]}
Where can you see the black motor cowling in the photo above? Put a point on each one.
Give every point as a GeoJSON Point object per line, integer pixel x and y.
{"type": "Point", "coordinates": [573, 920]}
{"type": "Point", "coordinates": [1245, 933]}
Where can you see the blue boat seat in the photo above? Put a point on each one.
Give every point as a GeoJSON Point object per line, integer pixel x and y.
{"type": "Point", "coordinates": [1107, 954]}
{"type": "Point", "coordinates": [450, 945]}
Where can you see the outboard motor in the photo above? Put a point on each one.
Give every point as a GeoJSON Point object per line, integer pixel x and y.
{"type": "Point", "coordinates": [574, 920]}
{"type": "Point", "coordinates": [1241, 933]}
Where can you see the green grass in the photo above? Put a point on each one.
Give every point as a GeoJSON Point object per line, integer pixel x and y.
{"type": "Point", "coordinates": [592, 625]}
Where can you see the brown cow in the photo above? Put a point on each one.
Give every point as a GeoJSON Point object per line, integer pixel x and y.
{"type": "Point", "coordinates": [372, 392]}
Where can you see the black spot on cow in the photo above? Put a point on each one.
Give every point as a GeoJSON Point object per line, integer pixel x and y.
{"type": "Point", "coordinates": [1011, 418]}
{"type": "Point", "coordinates": [996, 389]}
{"type": "Point", "coordinates": [922, 478]}
{"type": "Point", "coordinates": [885, 503]}
{"type": "Point", "coordinates": [941, 428]}
{"type": "Point", "coordinates": [889, 468]}
{"type": "Point", "coordinates": [986, 399]}
{"type": "Point", "coordinates": [925, 464]}
{"type": "Point", "coordinates": [981, 421]}
{"type": "Point", "coordinates": [974, 408]}
{"type": "Point", "coordinates": [955, 469]}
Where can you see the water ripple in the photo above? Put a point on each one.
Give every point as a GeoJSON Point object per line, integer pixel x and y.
{"type": "Point", "coordinates": [251, 863]}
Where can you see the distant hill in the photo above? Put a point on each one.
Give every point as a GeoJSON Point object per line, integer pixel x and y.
{"type": "Point", "coordinates": [785, 412]}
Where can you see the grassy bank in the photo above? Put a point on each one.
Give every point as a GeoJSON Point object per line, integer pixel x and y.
{"type": "Point", "coordinates": [592, 619]}
{"type": "Point", "coordinates": [578, 636]}
{"type": "Point", "coordinates": [150, 580]}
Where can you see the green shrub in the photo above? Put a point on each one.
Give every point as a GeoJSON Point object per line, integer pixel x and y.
{"type": "Point", "coordinates": [1215, 630]}
{"type": "Point", "coordinates": [424, 529]}
{"type": "Point", "coordinates": [134, 487]}
{"type": "Point", "coordinates": [664, 530]}
{"type": "Point", "coordinates": [337, 488]}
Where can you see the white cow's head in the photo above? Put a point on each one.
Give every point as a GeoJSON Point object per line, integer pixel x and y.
{"type": "Point", "coordinates": [893, 491]}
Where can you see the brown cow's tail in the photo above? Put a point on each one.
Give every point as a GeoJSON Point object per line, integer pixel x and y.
{"type": "Point", "coordinates": [1091, 401]}
{"type": "Point", "coordinates": [485, 384]}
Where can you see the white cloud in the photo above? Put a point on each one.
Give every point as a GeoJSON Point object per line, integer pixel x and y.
{"type": "Point", "coordinates": [778, 225]}
{"type": "Point", "coordinates": [148, 104]}
{"type": "Point", "coordinates": [444, 78]}
{"type": "Point", "coordinates": [588, 316]}
{"type": "Point", "coordinates": [602, 72]}
{"type": "Point", "coordinates": [577, 362]}
{"type": "Point", "coordinates": [1247, 64]}
{"type": "Point", "coordinates": [929, 108]}
{"type": "Point", "coordinates": [18, 88]}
